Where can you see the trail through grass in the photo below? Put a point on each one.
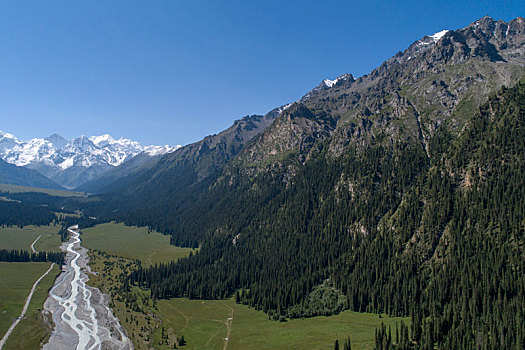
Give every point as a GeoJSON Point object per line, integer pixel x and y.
{"type": "Point", "coordinates": [204, 324]}
{"type": "Point", "coordinates": [21, 238]}
{"type": "Point", "coordinates": [16, 280]}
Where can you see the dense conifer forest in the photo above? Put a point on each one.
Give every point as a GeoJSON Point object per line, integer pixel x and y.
{"type": "Point", "coordinates": [439, 239]}
{"type": "Point", "coordinates": [54, 203]}
{"type": "Point", "coordinates": [12, 255]}
{"type": "Point", "coordinates": [399, 192]}
{"type": "Point", "coordinates": [22, 214]}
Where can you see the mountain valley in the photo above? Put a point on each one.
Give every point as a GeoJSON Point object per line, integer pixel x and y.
{"type": "Point", "coordinates": [390, 203]}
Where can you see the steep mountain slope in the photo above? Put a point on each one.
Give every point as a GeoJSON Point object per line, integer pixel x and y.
{"type": "Point", "coordinates": [117, 177]}
{"type": "Point", "coordinates": [191, 164]}
{"type": "Point", "coordinates": [14, 175]}
{"type": "Point", "coordinates": [73, 162]}
{"type": "Point", "coordinates": [374, 190]}
{"type": "Point", "coordinates": [436, 80]}
{"type": "Point", "coordinates": [434, 84]}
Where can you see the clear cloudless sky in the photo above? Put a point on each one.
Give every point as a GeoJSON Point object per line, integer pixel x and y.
{"type": "Point", "coordinates": [172, 72]}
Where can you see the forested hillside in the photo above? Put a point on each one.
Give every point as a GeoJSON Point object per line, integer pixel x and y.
{"type": "Point", "coordinates": [399, 192]}
{"type": "Point", "coordinates": [448, 251]}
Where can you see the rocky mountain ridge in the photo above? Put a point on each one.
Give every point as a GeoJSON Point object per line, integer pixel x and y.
{"type": "Point", "coordinates": [433, 82]}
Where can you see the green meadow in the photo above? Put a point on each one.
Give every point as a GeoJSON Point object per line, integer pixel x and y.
{"type": "Point", "coordinates": [21, 238]}
{"type": "Point", "coordinates": [16, 280]}
{"type": "Point", "coordinates": [205, 324]}
{"type": "Point", "coordinates": [132, 242]}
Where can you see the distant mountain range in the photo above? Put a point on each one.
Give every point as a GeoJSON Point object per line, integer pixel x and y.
{"type": "Point", "coordinates": [70, 163]}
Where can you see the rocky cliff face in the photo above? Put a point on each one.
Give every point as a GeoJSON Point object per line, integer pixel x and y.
{"type": "Point", "coordinates": [291, 137]}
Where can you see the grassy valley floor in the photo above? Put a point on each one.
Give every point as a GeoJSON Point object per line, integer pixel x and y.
{"type": "Point", "coordinates": [133, 243]}
{"type": "Point", "coordinates": [16, 280]}
{"type": "Point", "coordinates": [21, 238]}
{"type": "Point", "coordinates": [116, 248]}
{"type": "Point", "coordinates": [205, 324]}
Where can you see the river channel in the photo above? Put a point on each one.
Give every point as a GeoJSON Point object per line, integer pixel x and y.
{"type": "Point", "coordinates": [81, 315]}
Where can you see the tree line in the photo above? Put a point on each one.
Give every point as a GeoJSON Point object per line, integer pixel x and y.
{"type": "Point", "coordinates": [13, 255]}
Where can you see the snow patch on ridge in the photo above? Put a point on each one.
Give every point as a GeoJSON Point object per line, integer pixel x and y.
{"type": "Point", "coordinates": [439, 35]}
{"type": "Point", "coordinates": [159, 150]}
{"type": "Point", "coordinates": [102, 139]}
{"type": "Point", "coordinates": [7, 135]}
{"type": "Point", "coordinates": [428, 40]}
{"type": "Point", "coordinates": [329, 83]}
{"type": "Point", "coordinates": [284, 108]}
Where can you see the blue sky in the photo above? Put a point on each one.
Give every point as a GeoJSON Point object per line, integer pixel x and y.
{"type": "Point", "coordinates": [172, 72]}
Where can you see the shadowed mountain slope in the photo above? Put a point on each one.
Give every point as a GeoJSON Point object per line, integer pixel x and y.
{"type": "Point", "coordinates": [14, 175]}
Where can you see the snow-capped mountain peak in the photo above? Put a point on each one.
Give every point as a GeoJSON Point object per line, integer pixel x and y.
{"type": "Point", "coordinates": [7, 135]}
{"type": "Point", "coordinates": [57, 140]}
{"type": "Point", "coordinates": [102, 140]}
{"type": "Point", "coordinates": [54, 155]}
{"type": "Point", "coordinates": [7, 141]}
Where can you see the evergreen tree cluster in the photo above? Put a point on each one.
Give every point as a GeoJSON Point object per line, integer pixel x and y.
{"type": "Point", "coordinates": [13, 255]}
{"type": "Point", "coordinates": [21, 214]}
{"type": "Point", "coordinates": [402, 341]}
{"type": "Point", "coordinates": [347, 344]}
